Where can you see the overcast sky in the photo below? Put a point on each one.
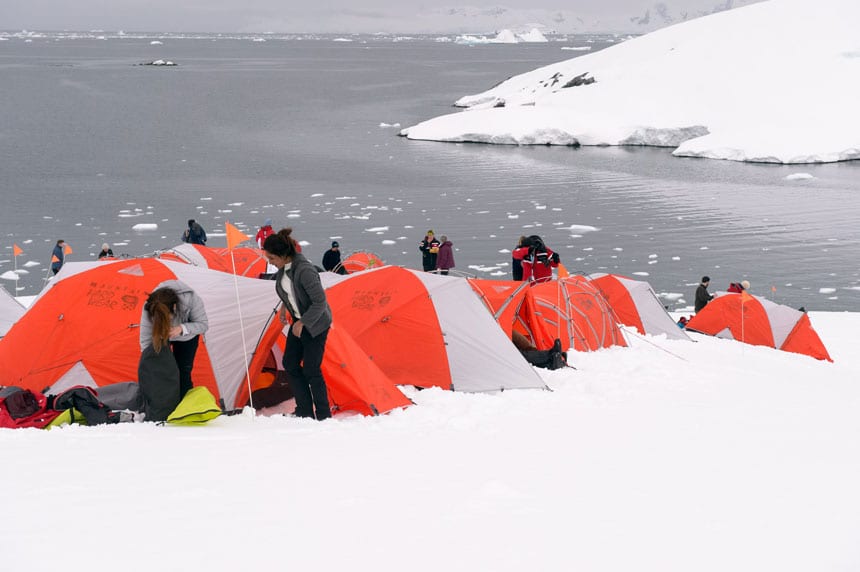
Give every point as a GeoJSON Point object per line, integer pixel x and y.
{"type": "Point", "coordinates": [308, 16]}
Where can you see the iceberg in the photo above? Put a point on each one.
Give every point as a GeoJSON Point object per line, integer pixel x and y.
{"type": "Point", "coordinates": [773, 82]}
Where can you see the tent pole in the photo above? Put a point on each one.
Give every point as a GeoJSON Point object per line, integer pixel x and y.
{"type": "Point", "coordinates": [242, 330]}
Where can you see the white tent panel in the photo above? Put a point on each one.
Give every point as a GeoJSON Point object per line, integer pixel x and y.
{"type": "Point", "coordinates": [480, 355]}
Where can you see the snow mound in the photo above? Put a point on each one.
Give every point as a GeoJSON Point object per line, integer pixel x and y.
{"type": "Point", "coordinates": [685, 86]}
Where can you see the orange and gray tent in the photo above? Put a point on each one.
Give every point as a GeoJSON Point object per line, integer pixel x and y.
{"type": "Point", "coordinates": [635, 304]}
{"type": "Point", "coordinates": [569, 309]}
{"type": "Point", "coordinates": [427, 330]}
{"type": "Point", "coordinates": [248, 261]}
{"type": "Point", "coordinates": [361, 260]}
{"type": "Point", "coordinates": [83, 329]}
{"type": "Point", "coordinates": [759, 322]}
{"type": "Point", "coordinates": [10, 311]}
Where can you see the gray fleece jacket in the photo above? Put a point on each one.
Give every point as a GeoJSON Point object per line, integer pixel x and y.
{"type": "Point", "coordinates": [191, 315]}
{"type": "Point", "coordinates": [309, 293]}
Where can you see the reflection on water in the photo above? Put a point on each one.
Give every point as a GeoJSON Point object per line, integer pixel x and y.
{"type": "Point", "coordinates": [91, 145]}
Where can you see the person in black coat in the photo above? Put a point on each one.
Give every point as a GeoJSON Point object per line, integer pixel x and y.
{"type": "Point", "coordinates": [331, 259]}
{"type": "Point", "coordinates": [58, 256]}
{"type": "Point", "coordinates": [517, 263]}
{"type": "Point", "coordinates": [429, 248]}
{"type": "Point", "coordinates": [702, 295]}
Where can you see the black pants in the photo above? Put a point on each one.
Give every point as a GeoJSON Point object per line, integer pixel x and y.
{"type": "Point", "coordinates": [184, 353]}
{"type": "Point", "coordinates": [302, 361]}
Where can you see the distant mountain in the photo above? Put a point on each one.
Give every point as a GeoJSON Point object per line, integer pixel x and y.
{"type": "Point", "coordinates": [487, 19]}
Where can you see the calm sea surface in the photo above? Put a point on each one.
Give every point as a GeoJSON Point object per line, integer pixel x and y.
{"type": "Point", "coordinates": [299, 130]}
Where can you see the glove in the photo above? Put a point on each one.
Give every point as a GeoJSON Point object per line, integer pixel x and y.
{"type": "Point", "coordinates": [555, 257]}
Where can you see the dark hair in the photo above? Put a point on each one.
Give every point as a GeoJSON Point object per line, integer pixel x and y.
{"type": "Point", "coordinates": [61, 241]}
{"type": "Point", "coordinates": [706, 279]}
{"type": "Point", "coordinates": [281, 244]}
{"type": "Point", "coordinates": [190, 221]}
{"type": "Point", "coordinates": [160, 306]}
{"type": "Point", "coordinates": [535, 242]}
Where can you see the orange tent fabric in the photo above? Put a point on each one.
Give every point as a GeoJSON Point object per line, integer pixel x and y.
{"type": "Point", "coordinates": [84, 329]}
{"type": "Point", "coordinates": [361, 260]}
{"type": "Point", "coordinates": [569, 309]}
{"type": "Point", "coordinates": [249, 261]}
{"type": "Point", "coordinates": [426, 330]}
{"type": "Point", "coordinates": [353, 380]}
{"type": "Point", "coordinates": [759, 322]}
{"type": "Point", "coordinates": [635, 304]}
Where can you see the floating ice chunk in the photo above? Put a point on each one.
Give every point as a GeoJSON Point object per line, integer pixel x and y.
{"type": "Point", "coordinates": [576, 48]}
{"type": "Point", "coordinates": [579, 228]}
{"type": "Point", "coordinates": [799, 177]}
{"type": "Point", "coordinates": [826, 290]}
{"type": "Point", "coordinates": [389, 242]}
{"type": "Point", "coordinates": [384, 125]}
{"type": "Point", "coordinates": [652, 256]}
{"type": "Point", "coordinates": [9, 275]}
{"type": "Point", "coordinates": [341, 40]}
{"type": "Point", "coordinates": [145, 226]}
{"type": "Point", "coordinates": [31, 263]}
{"type": "Point", "coordinates": [156, 43]}
{"type": "Point", "coordinates": [22, 271]}
{"type": "Point", "coordinates": [641, 274]}
{"type": "Point", "coordinates": [671, 296]}
{"type": "Point", "coordinates": [377, 229]}
{"type": "Point", "coordinates": [480, 268]}
{"type": "Point", "coordinates": [512, 216]}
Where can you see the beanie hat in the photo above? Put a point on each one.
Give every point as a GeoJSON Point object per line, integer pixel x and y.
{"type": "Point", "coordinates": [335, 244]}
{"type": "Point", "coordinates": [745, 284]}
{"type": "Point", "coordinates": [706, 279]}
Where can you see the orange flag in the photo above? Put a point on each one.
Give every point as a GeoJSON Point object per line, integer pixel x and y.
{"type": "Point", "coordinates": [67, 249]}
{"type": "Point", "coordinates": [16, 250]}
{"type": "Point", "coordinates": [235, 236]}
{"type": "Point", "coordinates": [562, 271]}
{"type": "Point", "coordinates": [54, 258]}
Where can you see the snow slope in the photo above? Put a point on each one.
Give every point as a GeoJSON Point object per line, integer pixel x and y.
{"type": "Point", "coordinates": [665, 456]}
{"type": "Point", "coordinates": [771, 82]}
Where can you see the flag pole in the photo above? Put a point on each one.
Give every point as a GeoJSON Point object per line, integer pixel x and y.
{"type": "Point", "coordinates": [230, 246]}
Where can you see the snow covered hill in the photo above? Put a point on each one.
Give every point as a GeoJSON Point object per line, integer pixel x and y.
{"type": "Point", "coordinates": [664, 456]}
{"type": "Point", "coordinates": [771, 82]}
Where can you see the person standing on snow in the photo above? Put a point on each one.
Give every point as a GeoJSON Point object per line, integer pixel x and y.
{"type": "Point", "coordinates": [58, 256]}
{"type": "Point", "coordinates": [702, 294]}
{"type": "Point", "coordinates": [174, 315]}
{"type": "Point", "coordinates": [194, 234]}
{"type": "Point", "coordinates": [298, 285]}
{"type": "Point", "coordinates": [538, 260]}
{"type": "Point", "coordinates": [517, 263]}
{"type": "Point", "coordinates": [264, 232]}
{"type": "Point", "coordinates": [429, 248]}
{"type": "Point", "coordinates": [106, 251]}
{"type": "Point", "coordinates": [445, 257]}
{"type": "Point", "coordinates": [331, 259]}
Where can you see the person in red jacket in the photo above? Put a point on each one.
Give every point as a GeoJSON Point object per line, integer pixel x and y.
{"type": "Point", "coordinates": [264, 232]}
{"type": "Point", "coordinates": [538, 260]}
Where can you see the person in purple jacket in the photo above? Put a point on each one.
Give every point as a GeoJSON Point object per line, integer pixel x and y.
{"type": "Point", "coordinates": [445, 257]}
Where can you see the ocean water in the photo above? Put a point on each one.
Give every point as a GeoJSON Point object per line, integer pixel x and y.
{"type": "Point", "coordinates": [303, 130]}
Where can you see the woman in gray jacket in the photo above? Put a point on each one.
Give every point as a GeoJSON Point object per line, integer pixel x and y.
{"type": "Point", "coordinates": [303, 297]}
{"type": "Point", "coordinates": [177, 301]}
